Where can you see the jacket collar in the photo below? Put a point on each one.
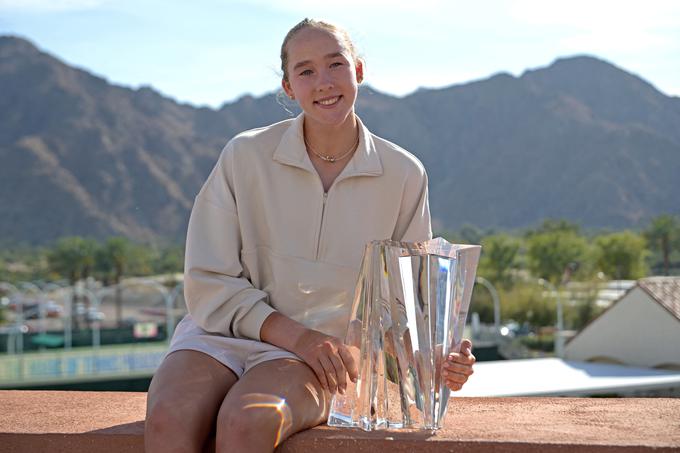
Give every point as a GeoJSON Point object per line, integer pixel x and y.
{"type": "Point", "coordinates": [292, 151]}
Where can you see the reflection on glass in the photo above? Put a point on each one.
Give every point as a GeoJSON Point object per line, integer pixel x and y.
{"type": "Point", "coordinates": [409, 310]}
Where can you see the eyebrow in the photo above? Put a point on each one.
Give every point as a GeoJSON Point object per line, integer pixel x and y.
{"type": "Point", "coordinates": [326, 57]}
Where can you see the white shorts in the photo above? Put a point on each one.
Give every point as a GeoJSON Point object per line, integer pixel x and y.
{"type": "Point", "coordinates": [239, 355]}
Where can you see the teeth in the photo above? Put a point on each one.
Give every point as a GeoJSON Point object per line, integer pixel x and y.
{"type": "Point", "coordinates": [329, 101]}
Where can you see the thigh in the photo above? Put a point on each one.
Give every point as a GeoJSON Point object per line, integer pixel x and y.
{"type": "Point", "coordinates": [186, 393]}
{"type": "Point", "coordinates": [283, 390]}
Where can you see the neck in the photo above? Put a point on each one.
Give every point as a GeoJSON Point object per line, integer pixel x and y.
{"type": "Point", "coordinates": [331, 140]}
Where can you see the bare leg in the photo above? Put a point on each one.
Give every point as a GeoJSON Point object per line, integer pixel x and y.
{"type": "Point", "coordinates": [183, 401]}
{"type": "Point", "coordinates": [272, 401]}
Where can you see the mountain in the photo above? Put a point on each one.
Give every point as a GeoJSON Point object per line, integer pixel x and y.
{"type": "Point", "coordinates": [580, 139]}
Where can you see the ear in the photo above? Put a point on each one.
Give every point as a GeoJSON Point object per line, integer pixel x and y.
{"type": "Point", "coordinates": [287, 88]}
{"type": "Point", "coordinates": [359, 68]}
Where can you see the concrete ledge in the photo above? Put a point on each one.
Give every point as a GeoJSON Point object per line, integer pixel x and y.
{"type": "Point", "coordinates": [109, 421]}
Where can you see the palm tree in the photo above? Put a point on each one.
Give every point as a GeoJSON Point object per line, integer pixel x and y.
{"type": "Point", "coordinates": [114, 258]}
{"type": "Point", "coordinates": [498, 257]}
{"type": "Point", "coordinates": [661, 234]}
{"type": "Point", "coordinates": [73, 257]}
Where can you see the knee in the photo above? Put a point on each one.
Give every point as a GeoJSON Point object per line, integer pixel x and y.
{"type": "Point", "coordinates": [161, 420]}
{"type": "Point", "coordinates": [253, 422]}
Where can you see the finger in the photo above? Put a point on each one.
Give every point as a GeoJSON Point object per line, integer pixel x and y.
{"type": "Point", "coordinates": [466, 354]}
{"type": "Point", "coordinates": [329, 370]}
{"type": "Point", "coordinates": [465, 358]}
{"type": "Point", "coordinates": [456, 378]}
{"type": "Point", "coordinates": [320, 375]}
{"type": "Point", "coordinates": [466, 347]}
{"type": "Point", "coordinates": [456, 368]}
{"type": "Point", "coordinates": [340, 373]}
{"type": "Point", "coordinates": [460, 360]}
{"type": "Point", "coordinates": [350, 363]}
{"type": "Point", "coordinates": [454, 386]}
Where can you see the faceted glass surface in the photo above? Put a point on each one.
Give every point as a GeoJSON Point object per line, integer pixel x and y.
{"type": "Point", "coordinates": [409, 311]}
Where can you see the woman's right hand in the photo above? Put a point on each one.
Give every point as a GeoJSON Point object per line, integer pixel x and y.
{"type": "Point", "coordinates": [329, 358]}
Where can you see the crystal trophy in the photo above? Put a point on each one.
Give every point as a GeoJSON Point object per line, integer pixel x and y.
{"type": "Point", "coordinates": [408, 313]}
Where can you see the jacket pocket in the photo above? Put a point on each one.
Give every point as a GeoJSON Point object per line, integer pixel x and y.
{"type": "Point", "coordinates": [316, 294]}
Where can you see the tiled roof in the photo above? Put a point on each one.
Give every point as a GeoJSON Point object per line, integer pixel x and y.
{"type": "Point", "coordinates": [665, 290]}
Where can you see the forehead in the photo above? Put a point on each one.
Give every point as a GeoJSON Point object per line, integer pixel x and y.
{"type": "Point", "coordinates": [311, 43]}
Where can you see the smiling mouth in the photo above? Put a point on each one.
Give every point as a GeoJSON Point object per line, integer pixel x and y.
{"type": "Point", "coordinates": [329, 101]}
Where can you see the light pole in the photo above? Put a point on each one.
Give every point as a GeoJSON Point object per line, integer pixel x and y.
{"type": "Point", "coordinates": [17, 329]}
{"type": "Point", "coordinates": [59, 289]}
{"type": "Point", "coordinates": [168, 300]}
{"type": "Point", "coordinates": [559, 339]}
{"type": "Point", "coordinates": [27, 287]}
{"type": "Point", "coordinates": [496, 304]}
{"type": "Point", "coordinates": [171, 309]}
{"type": "Point", "coordinates": [91, 318]}
{"type": "Point", "coordinates": [167, 297]}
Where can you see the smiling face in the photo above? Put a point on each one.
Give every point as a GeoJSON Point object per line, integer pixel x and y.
{"type": "Point", "coordinates": [322, 76]}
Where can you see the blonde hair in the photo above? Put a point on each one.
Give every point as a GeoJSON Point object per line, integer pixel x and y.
{"type": "Point", "coordinates": [321, 25]}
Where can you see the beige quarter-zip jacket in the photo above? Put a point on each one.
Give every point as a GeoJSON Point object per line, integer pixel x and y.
{"type": "Point", "coordinates": [263, 235]}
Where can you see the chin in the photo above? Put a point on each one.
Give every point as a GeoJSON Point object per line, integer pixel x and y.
{"type": "Point", "coordinates": [330, 119]}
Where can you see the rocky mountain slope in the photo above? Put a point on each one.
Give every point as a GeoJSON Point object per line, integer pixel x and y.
{"type": "Point", "coordinates": [580, 139]}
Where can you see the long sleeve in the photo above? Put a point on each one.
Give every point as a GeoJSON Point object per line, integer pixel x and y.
{"type": "Point", "coordinates": [219, 298]}
{"type": "Point", "coordinates": [413, 223]}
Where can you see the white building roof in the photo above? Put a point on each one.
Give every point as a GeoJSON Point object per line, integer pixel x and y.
{"type": "Point", "coordinates": [665, 291]}
{"type": "Point", "coordinates": [642, 328]}
{"type": "Point", "coordinates": [558, 377]}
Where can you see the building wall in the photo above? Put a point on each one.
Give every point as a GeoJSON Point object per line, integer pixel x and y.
{"type": "Point", "coordinates": [634, 331]}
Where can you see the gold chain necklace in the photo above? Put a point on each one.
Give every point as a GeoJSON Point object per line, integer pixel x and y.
{"type": "Point", "coordinates": [333, 159]}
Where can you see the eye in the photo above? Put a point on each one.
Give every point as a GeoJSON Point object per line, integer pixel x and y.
{"type": "Point", "coordinates": [306, 72]}
{"type": "Point", "coordinates": [335, 64]}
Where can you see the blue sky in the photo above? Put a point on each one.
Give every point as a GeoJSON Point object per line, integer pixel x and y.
{"type": "Point", "coordinates": [207, 52]}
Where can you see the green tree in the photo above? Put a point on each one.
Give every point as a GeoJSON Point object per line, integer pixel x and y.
{"type": "Point", "coordinates": [621, 255]}
{"type": "Point", "coordinates": [470, 234]}
{"type": "Point", "coordinates": [112, 261]}
{"type": "Point", "coordinates": [118, 256]}
{"type": "Point", "coordinates": [582, 304]}
{"type": "Point", "coordinates": [550, 254]}
{"type": "Point", "coordinates": [525, 302]}
{"type": "Point", "coordinates": [467, 234]}
{"type": "Point", "coordinates": [556, 226]}
{"type": "Point", "coordinates": [72, 257]}
{"type": "Point", "coordinates": [112, 258]}
{"type": "Point", "coordinates": [662, 233]}
{"type": "Point", "coordinates": [499, 253]}
{"type": "Point", "coordinates": [170, 259]}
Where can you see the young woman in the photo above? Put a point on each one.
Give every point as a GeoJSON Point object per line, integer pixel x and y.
{"type": "Point", "coordinates": [274, 247]}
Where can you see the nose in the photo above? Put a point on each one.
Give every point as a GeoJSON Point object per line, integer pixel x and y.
{"type": "Point", "coordinates": [325, 81]}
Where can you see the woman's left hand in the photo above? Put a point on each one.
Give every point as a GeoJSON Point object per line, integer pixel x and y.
{"type": "Point", "coordinates": [458, 366]}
